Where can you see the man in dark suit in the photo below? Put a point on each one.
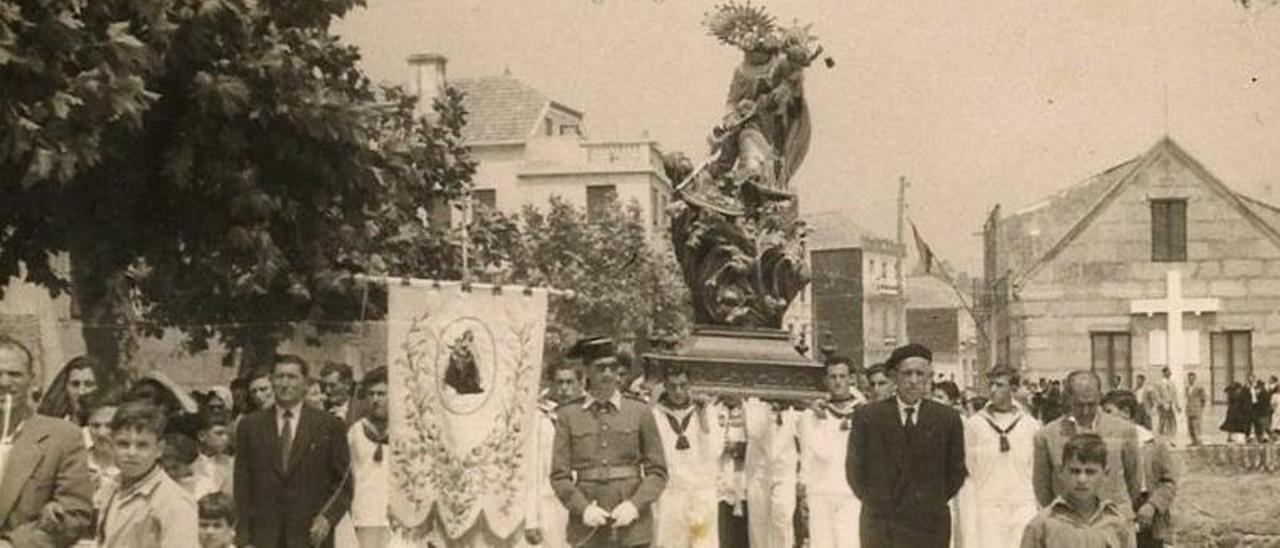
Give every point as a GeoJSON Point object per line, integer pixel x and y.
{"type": "Point", "coordinates": [44, 489]}
{"type": "Point", "coordinates": [906, 460]}
{"type": "Point", "coordinates": [292, 482]}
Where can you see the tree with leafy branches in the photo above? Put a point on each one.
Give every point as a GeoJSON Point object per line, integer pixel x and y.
{"type": "Point", "coordinates": [219, 166]}
{"type": "Point", "coordinates": [624, 285]}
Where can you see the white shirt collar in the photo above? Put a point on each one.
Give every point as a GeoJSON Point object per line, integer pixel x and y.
{"type": "Point", "coordinates": [615, 399]}
{"type": "Point", "coordinates": [1092, 427]}
{"type": "Point", "coordinates": [902, 410]}
{"type": "Point", "coordinates": [296, 409]}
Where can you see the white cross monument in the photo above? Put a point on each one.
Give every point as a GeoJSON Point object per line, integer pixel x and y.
{"type": "Point", "coordinates": [1173, 306]}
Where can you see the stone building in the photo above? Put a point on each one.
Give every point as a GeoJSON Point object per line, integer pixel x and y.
{"type": "Point", "coordinates": [529, 148]}
{"type": "Point", "coordinates": [855, 301]}
{"type": "Point", "coordinates": [1151, 263]}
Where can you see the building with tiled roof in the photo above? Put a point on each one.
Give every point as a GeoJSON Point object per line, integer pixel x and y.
{"type": "Point", "coordinates": [530, 147]}
{"type": "Point", "coordinates": [854, 303]}
{"type": "Point", "coordinates": [502, 109]}
{"type": "Point", "coordinates": [1086, 277]}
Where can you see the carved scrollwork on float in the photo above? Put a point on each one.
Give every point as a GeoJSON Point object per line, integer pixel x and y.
{"type": "Point", "coordinates": [735, 232]}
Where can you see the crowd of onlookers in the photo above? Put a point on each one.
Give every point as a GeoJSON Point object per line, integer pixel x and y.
{"type": "Point", "coordinates": [1251, 415]}
{"type": "Point", "coordinates": [161, 460]}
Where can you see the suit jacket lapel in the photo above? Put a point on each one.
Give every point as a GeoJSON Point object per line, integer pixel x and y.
{"type": "Point", "coordinates": [27, 453]}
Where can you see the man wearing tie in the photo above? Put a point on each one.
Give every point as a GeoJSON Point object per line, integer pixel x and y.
{"type": "Point", "coordinates": [292, 480]}
{"type": "Point", "coordinates": [906, 460]}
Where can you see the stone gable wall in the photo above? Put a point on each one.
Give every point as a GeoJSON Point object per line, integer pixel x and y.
{"type": "Point", "coordinates": [1089, 285]}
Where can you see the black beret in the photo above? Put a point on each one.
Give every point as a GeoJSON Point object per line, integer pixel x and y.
{"type": "Point", "coordinates": [913, 350]}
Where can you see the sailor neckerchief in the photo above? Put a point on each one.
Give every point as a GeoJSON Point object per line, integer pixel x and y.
{"type": "Point", "coordinates": [842, 410]}
{"type": "Point", "coordinates": [679, 424]}
{"type": "Point", "coordinates": [988, 415]}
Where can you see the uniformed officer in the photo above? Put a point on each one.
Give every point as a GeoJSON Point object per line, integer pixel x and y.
{"type": "Point", "coordinates": [607, 465]}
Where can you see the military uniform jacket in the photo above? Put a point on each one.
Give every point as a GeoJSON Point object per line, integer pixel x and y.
{"type": "Point", "coordinates": [596, 442]}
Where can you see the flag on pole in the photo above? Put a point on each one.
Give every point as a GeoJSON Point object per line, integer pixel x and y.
{"type": "Point", "coordinates": [464, 371]}
{"type": "Point", "coordinates": [928, 262]}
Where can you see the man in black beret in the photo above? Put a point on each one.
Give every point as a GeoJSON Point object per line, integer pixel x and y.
{"type": "Point", "coordinates": [906, 459]}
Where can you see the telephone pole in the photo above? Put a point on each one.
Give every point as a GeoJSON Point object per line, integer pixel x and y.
{"type": "Point", "coordinates": [898, 263]}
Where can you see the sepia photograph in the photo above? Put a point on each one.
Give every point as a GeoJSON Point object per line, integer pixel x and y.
{"type": "Point", "coordinates": [639, 273]}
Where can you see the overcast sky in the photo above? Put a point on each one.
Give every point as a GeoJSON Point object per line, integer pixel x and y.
{"type": "Point", "coordinates": [977, 102]}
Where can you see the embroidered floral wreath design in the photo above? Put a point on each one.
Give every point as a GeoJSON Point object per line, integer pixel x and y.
{"type": "Point", "coordinates": [434, 470]}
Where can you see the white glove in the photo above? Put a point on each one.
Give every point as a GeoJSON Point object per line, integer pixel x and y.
{"type": "Point", "coordinates": [624, 514]}
{"type": "Point", "coordinates": [594, 516]}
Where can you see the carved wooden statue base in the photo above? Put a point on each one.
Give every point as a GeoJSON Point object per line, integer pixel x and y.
{"type": "Point", "coordinates": [745, 362]}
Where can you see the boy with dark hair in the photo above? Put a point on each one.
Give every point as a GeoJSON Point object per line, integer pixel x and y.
{"type": "Point", "coordinates": [215, 461]}
{"type": "Point", "coordinates": [178, 460]}
{"type": "Point", "coordinates": [217, 521]}
{"type": "Point", "coordinates": [145, 507]}
{"type": "Point", "coordinates": [1080, 518]}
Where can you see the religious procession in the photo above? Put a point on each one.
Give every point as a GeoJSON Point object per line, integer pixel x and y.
{"type": "Point", "coordinates": [273, 277]}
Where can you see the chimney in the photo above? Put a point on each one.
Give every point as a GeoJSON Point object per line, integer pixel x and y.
{"type": "Point", "coordinates": [427, 79]}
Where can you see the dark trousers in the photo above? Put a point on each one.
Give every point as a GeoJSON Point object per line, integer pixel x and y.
{"type": "Point", "coordinates": [1261, 426]}
{"type": "Point", "coordinates": [881, 532]}
{"type": "Point", "coordinates": [1193, 427]}
{"type": "Point", "coordinates": [733, 529]}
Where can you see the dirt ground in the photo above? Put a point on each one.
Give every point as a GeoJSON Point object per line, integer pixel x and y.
{"type": "Point", "coordinates": [1228, 510]}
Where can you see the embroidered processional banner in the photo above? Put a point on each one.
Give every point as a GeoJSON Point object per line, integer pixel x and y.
{"type": "Point", "coordinates": [464, 369]}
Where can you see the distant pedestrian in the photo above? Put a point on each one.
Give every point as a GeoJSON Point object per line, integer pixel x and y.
{"type": "Point", "coordinates": [1196, 399]}
{"type": "Point", "coordinates": [1164, 402]}
{"type": "Point", "coordinates": [1239, 410]}
{"type": "Point", "coordinates": [1260, 400]}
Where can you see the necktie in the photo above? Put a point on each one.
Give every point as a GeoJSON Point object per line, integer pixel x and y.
{"type": "Point", "coordinates": [910, 411]}
{"type": "Point", "coordinates": [286, 438]}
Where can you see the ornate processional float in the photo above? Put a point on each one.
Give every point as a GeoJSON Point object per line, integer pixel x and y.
{"type": "Point", "coordinates": [735, 229]}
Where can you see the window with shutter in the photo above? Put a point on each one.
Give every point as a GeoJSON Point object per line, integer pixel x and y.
{"type": "Point", "coordinates": [1112, 357]}
{"type": "Point", "coordinates": [439, 214]}
{"type": "Point", "coordinates": [486, 197]}
{"type": "Point", "coordinates": [1168, 230]}
{"type": "Point", "coordinates": [599, 198]}
{"type": "Point", "coordinates": [1232, 361]}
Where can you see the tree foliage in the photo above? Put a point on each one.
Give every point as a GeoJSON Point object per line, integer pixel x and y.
{"type": "Point", "coordinates": [225, 159]}
{"type": "Point", "coordinates": [624, 286]}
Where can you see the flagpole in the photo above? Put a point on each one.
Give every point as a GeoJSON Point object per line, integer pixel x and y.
{"type": "Point", "coordinates": [901, 328]}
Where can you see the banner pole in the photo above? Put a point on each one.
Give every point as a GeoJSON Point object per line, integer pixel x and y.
{"type": "Point", "coordinates": [421, 282]}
